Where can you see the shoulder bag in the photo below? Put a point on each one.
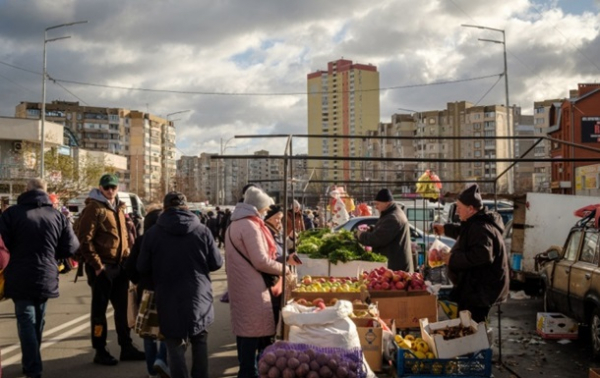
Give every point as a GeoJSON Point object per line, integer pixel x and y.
{"type": "Point", "coordinates": [270, 279]}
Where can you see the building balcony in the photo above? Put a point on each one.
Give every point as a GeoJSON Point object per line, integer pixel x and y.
{"type": "Point", "coordinates": [17, 172]}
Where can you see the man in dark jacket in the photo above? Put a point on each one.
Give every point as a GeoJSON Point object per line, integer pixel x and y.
{"type": "Point", "coordinates": [180, 253]}
{"type": "Point", "coordinates": [391, 235]}
{"type": "Point", "coordinates": [36, 235]}
{"type": "Point", "coordinates": [105, 247]}
{"type": "Point", "coordinates": [478, 262]}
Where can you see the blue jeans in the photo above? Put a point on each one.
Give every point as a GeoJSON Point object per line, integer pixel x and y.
{"type": "Point", "coordinates": [154, 350]}
{"type": "Point", "coordinates": [249, 350]}
{"type": "Point", "coordinates": [30, 325]}
{"type": "Point", "coordinates": [176, 351]}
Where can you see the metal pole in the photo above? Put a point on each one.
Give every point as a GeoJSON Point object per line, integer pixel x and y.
{"type": "Point", "coordinates": [43, 108]}
{"type": "Point", "coordinates": [43, 115]}
{"type": "Point", "coordinates": [509, 120]}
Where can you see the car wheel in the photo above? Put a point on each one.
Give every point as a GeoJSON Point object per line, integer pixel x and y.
{"type": "Point", "coordinates": [595, 332]}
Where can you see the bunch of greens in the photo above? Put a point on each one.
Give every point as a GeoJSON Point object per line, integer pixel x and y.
{"type": "Point", "coordinates": [339, 246]}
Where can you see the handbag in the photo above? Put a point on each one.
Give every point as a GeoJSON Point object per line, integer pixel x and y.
{"type": "Point", "coordinates": [146, 323]}
{"type": "Point", "coordinates": [270, 279]}
{"type": "Point", "coordinates": [133, 305]}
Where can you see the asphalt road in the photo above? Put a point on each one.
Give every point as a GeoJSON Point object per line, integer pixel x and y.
{"type": "Point", "coordinates": [67, 351]}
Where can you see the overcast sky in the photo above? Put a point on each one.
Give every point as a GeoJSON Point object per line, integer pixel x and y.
{"type": "Point", "coordinates": [240, 66]}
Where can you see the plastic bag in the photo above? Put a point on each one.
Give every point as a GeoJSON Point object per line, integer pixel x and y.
{"type": "Point", "coordinates": [330, 327]}
{"type": "Point", "coordinates": [436, 251]}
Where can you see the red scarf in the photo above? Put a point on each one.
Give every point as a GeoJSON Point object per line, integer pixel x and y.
{"type": "Point", "coordinates": [270, 241]}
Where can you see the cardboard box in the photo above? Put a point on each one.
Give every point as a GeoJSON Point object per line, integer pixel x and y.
{"type": "Point", "coordinates": [554, 325]}
{"type": "Point", "coordinates": [310, 296]}
{"type": "Point", "coordinates": [459, 346]}
{"type": "Point", "coordinates": [370, 334]}
{"type": "Point", "coordinates": [594, 373]}
{"type": "Point", "coordinates": [406, 311]}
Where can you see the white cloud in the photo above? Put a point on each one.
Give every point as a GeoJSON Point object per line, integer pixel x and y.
{"type": "Point", "coordinates": [270, 46]}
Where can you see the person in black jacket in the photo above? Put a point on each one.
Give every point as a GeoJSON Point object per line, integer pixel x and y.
{"type": "Point", "coordinates": [180, 253]}
{"type": "Point", "coordinates": [36, 235]}
{"type": "Point", "coordinates": [478, 262]}
{"type": "Point", "coordinates": [391, 235]}
{"type": "Point", "coordinates": [156, 352]}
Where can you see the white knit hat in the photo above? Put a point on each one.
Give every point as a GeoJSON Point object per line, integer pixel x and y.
{"type": "Point", "coordinates": [257, 198]}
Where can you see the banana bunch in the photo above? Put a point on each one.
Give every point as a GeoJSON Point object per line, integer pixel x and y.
{"type": "Point", "coordinates": [417, 346]}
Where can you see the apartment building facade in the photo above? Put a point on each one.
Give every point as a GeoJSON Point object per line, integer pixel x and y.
{"type": "Point", "coordinates": [342, 100]}
{"type": "Point", "coordinates": [148, 141]}
{"type": "Point", "coordinates": [577, 120]}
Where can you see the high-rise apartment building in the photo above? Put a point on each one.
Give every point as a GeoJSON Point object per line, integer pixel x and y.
{"type": "Point", "coordinates": [148, 141]}
{"type": "Point", "coordinates": [266, 172]}
{"type": "Point", "coordinates": [202, 177]}
{"type": "Point", "coordinates": [342, 100]}
{"type": "Point", "coordinates": [459, 119]}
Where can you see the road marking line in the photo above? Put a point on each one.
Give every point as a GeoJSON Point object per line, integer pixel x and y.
{"type": "Point", "coordinates": [46, 344]}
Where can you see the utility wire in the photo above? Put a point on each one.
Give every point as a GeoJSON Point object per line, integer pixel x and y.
{"type": "Point", "coordinates": [489, 90]}
{"type": "Point", "coordinates": [66, 90]}
{"type": "Point", "coordinates": [277, 93]}
{"type": "Point", "coordinates": [216, 93]}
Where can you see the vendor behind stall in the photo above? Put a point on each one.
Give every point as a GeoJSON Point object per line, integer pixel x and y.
{"type": "Point", "coordinates": [478, 262]}
{"type": "Point", "coordinates": [391, 235]}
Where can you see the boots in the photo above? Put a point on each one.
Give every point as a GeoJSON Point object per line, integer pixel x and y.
{"type": "Point", "coordinates": [131, 353]}
{"type": "Point", "coordinates": [103, 357]}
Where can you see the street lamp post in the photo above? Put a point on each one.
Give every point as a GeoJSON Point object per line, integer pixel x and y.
{"type": "Point", "coordinates": [509, 123]}
{"type": "Point", "coordinates": [167, 156]}
{"type": "Point", "coordinates": [43, 118]}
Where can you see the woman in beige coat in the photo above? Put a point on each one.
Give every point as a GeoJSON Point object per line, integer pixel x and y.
{"type": "Point", "coordinates": [251, 302]}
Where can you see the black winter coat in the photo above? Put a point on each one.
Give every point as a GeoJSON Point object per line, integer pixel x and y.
{"type": "Point", "coordinates": [478, 261]}
{"type": "Point", "coordinates": [391, 237]}
{"type": "Point", "coordinates": [36, 235]}
{"type": "Point", "coordinates": [180, 253]}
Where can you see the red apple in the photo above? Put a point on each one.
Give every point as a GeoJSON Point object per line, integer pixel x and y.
{"type": "Point", "coordinates": [400, 285]}
{"type": "Point", "coordinates": [385, 286]}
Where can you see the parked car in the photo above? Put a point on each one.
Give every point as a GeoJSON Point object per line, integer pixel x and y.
{"type": "Point", "coordinates": [571, 278]}
{"type": "Point", "coordinates": [416, 235]}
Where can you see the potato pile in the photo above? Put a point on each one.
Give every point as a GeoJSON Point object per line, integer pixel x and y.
{"type": "Point", "coordinates": [286, 360]}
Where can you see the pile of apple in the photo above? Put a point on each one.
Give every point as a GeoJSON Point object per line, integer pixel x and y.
{"type": "Point", "coordinates": [329, 285]}
{"type": "Point", "coordinates": [387, 279]}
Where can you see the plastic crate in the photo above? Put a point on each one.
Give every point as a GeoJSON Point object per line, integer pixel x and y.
{"type": "Point", "coordinates": [476, 366]}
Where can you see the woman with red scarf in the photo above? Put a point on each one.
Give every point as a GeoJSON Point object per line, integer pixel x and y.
{"type": "Point", "coordinates": [249, 251]}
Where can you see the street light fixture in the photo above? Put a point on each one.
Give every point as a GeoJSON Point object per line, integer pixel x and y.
{"type": "Point", "coordinates": [167, 156]}
{"type": "Point", "coordinates": [509, 123]}
{"type": "Point", "coordinates": [46, 40]}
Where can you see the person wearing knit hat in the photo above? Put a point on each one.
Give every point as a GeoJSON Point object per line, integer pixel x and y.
{"type": "Point", "coordinates": [478, 262]}
{"type": "Point", "coordinates": [391, 235]}
{"type": "Point", "coordinates": [254, 279]}
{"type": "Point", "coordinates": [257, 198]}
{"type": "Point", "coordinates": [471, 197]}
{"type": "Point", "coordinates": [273, 220]}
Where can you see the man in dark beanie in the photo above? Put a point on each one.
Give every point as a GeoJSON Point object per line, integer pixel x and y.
{"type": "Point", "coordinates": [478, 262]}
{"type": "Point", "coordinates": [179, 254]}
{"type": "Point", "coordinates": [391, 235]}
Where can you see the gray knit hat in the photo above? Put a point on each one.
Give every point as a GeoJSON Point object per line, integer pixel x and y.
{"type": "Point", "coordinates": [257, 198]}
